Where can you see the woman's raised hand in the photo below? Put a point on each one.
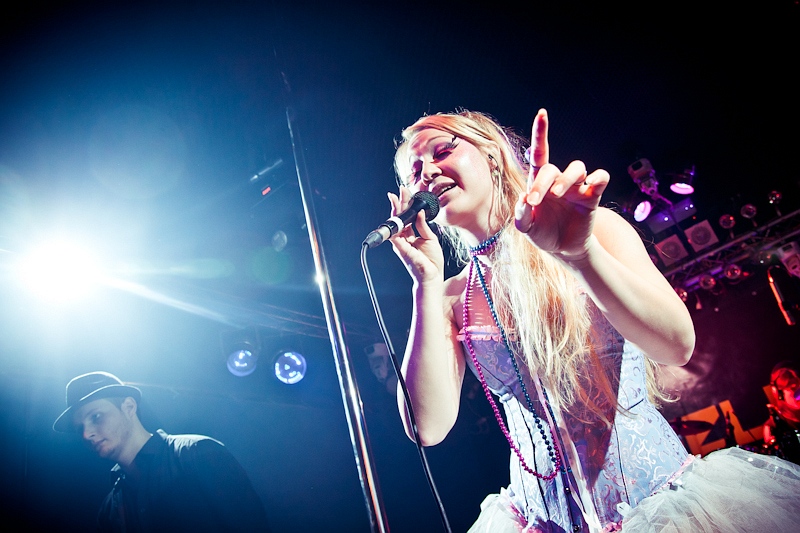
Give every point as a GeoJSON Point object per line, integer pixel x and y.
{"type": "Point", "coordinates": [422, 255]}
{"type": "Point", "coordinates": [557, 211]}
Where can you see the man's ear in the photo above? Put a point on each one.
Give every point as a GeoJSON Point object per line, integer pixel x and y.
{"type": "Point", "coordinates": [129, 406]}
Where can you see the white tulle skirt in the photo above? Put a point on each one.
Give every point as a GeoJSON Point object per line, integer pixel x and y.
{"type": "Point", "coordinates": [728, 491]}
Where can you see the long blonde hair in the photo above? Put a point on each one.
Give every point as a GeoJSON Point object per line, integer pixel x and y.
{"type": "Point", "coordinates": [537, 298]}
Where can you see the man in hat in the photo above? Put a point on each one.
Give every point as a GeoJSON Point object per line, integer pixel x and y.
{"type": "Point", "coordinates": [163, 482]}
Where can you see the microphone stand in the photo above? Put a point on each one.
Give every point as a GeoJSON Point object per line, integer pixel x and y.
{"type": "Point", "coordinates": [347, 380]}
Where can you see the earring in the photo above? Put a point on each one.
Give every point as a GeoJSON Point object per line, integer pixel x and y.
{"type": "Point", "coordinates": [495, 168]}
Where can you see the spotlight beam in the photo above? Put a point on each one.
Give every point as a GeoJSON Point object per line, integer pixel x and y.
{"type": "Point", "coordinates": [234, 312]}
{"type": "Point", "coordinates": [150, 294]}
{"type": "Point", "coordinates": [218, 307]}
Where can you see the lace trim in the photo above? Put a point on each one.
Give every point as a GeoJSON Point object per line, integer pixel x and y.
{"type": "Point", "coordinates": [483, 333]}
{"type": "Point", "coordinates": [480, 333]}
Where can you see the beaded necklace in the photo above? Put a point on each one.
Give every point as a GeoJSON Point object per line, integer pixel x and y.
{"type": "Point", "coordinates": [475, 268]}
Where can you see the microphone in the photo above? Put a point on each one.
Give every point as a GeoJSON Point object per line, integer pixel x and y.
{"type": "Point", "coordinates": [422, 201]}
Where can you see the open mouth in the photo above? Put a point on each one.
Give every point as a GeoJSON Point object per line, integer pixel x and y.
{"type": "Point", "coordinates": [439, 191]}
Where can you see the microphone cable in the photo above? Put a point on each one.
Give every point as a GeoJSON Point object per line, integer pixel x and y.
{"type": "Point", "coordinates": [411, 418]}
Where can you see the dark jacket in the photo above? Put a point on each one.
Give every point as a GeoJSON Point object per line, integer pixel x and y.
{"type": "Point", "coordinates": [182, 483]}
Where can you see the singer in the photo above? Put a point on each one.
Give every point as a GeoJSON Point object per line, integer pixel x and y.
{"type": "Point", "coordinates": [562, 316]}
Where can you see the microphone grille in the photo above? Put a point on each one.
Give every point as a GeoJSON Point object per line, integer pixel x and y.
{"type": "Point", "coordinates": [431, 204]}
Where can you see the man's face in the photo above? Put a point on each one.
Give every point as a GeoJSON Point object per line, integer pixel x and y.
{"type": "Point", "coordinates": [787, 383]}
{"type": "Point", "coordinates": [105, 427]}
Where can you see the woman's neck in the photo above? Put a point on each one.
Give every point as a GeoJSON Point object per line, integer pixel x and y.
{"type": "Point", "coordinates": [483, 248]}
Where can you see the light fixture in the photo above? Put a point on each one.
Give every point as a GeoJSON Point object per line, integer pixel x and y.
{"type": "Point", "coordinates": [671, 250]}
{"type": "Point", "coordinates": [727, 222]}
{"type": "Point", "coordinates": [643, 174]}
{"type": "Point", "coordinates": [775, 198]}
{"type": "Point", "coordinates": [682, 293]}
{"type": "Point", "coordinates": [701, 236]}
{"type": "Point", "coordinates": [241, 348]}
{"type": "Point", "coordinates": [682, 183]}
{"type": "Point", "coordinates": [243, 361]}
{"type": "Point", "coordinates": [279, 240]}
{"type": "Point", "coordinates": [638, 206]}
{"type": "Point", "coordinates": [732, 272]}
{"type": "Point", "coordinates": [749, 212]}
{"type": "Point", "coordinates": [290, 366]}
{"type": "Point", "coordinates": [789, 254]}
{"type": "Point", "coordinates": [59, 271]}
{"type": "Point", "coordinates": [642, 210]}
{"type": "Point", "coordinates": [707, 282]}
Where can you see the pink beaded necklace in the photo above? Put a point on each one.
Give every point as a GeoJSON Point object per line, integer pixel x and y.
{"type": "Point", "coordinates": [475, 268]}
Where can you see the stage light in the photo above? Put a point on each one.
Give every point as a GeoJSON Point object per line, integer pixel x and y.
{"type": "Point", "coordinates": [290, 367]}
{"type": "Point", "coordinates": [638, 206]}
{"type": "Point", "coordinates": [643, 174]}
{"type": "Point", "coordinates": [789, 254]}
{"type": "Point", "coordinates": [59, 270]}
{"type": "Point", "coordinates": [727, 222]}
{"type": "Point", "coordinates": [243, 361]}
{"type": "Point", "coordinates": [775, 198]}
{"type": "Point", "coordinates": [749, 212]}
{"type": "Point", "coordinates": [682, 294]}
{"type": "Point", "coordinates": [707, 282]}
{"type": "Point", "coordinates": [732, 272]}
{"type": "Point", "coordinates": [683, 183]}
{"type": "Point", "coordinates": [279, 240]}
{"type": "Point", "coordinates": [241, 349]}
{"type": "Point", "coordinates": [642, 210]}
{"type": "Point", "coordinates": [671, 250]}
{"type": "Point", "coordinates": [701, 236]}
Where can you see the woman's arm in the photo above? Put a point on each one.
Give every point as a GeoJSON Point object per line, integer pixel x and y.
{"type": "Point", "coordinates": [560, 214]}
{"type": "Point", "coordinates": [634, 296]}
{"type": "Point", "coordinates": [433, 366]}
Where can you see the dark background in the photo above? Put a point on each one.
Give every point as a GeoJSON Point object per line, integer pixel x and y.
{"type": "Point", "coordinates": [137, 127]}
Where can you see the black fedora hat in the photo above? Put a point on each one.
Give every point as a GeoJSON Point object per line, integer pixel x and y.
{"type": "Point", "coordinates": [88, 388]}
